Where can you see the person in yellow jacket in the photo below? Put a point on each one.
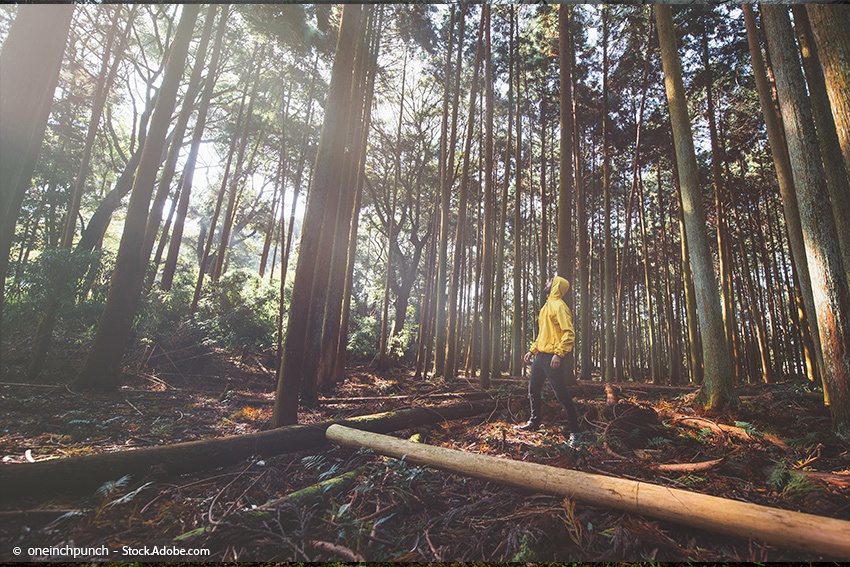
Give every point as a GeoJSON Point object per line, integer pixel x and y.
{"type": "Point", "coordinates": [554, 340]}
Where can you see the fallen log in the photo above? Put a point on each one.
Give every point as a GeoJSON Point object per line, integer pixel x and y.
{"type": "Point", "coordinates": [88, 472]}
{"type": "Point", "coordinates": [439, 396]}
{"type": "Point", "coordinates": [804, 532]}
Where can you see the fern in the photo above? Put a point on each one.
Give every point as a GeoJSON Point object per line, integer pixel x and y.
{"type": "Point", "coordinates": [111, 486]}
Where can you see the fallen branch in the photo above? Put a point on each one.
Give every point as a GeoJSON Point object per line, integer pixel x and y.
{"type": "Point", "coordinates": [88, 472]}
{"type": "Point", "coordinates": [805, 532]}
{"type": "Point", "coordinates": [313, 492]}
{"type": "Point", "coordinates": [343, 552]}
{"type": "Point", "coordinates": [730, 430]}
{"type": "Point", "coordinates": [688, 467]}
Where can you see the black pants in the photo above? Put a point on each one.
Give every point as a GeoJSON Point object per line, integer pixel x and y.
{"type": "Point", "coordinates": [541, 371]}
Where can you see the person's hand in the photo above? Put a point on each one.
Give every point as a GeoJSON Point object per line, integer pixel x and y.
{"type": "Point", "coordinates": [528, 356]}
{"type": "Point", "coordinates": [556, 361]}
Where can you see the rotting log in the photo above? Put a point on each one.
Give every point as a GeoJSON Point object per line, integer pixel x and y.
{"type": "Point", "coordinates": [88, 472]}
{"type": "Point", "coordinates": [822, 536]}
{"type": "Point", "coordinates": [469, 395]}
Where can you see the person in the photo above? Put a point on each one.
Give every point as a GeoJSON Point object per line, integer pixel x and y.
{"type": "Point", "coordinates": [555, 339]}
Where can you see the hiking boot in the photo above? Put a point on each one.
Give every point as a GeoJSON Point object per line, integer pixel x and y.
{"type": "Point", "coordinates": [531, 425]}
{"type": "Point", "coordinates": [575, 440]}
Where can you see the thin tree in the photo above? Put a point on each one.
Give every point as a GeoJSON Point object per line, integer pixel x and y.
{"type": "Point", "coordinates": [446, 183]}
{"type": "Point", "coordinates": [489, 222]}
{"type": "Point", "coordinates": [452, 325]}
{"type": "Point", "coordinates": [189, 168]}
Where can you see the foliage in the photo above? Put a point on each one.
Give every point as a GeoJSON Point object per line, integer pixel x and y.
{"type": "Point", "coordinates": [78, 281]}
{"type": "Point", "coordinates": [239, 310]}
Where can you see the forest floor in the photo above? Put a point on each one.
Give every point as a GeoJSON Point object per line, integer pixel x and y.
{"type": "Point", "coordinates": [778, 452]}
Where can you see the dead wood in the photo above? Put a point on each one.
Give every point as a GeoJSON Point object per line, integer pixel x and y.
{"type": "Point", "coordinates": [687, 468]}
{"type": "Point", "coordinates": [88, 472]}
{"type": "Point", "coordinates": [783, 528]}
{"type": "Point", "coordinates": [730, 430]}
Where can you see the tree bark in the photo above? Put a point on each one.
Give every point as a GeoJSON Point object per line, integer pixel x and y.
{"type": "Point", "coordinates": [829, 282]}
{"type": "Point", "coordinates": [837, 178]}
{"type": "Point", "coordinates": [829, 25]}
{"type": "Point", "coordinates": [488, 260]}
{"type": "Point", "coordinates": [718, 388]}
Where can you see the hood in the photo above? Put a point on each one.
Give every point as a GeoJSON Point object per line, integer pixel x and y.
{"type": "Point", "coordinates": [560, 287]}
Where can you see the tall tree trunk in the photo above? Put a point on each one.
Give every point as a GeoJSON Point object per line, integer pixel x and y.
{"type": "Point", "coordinates": [837, 178]}
{"type": "Point", "coordinates": [489, 212]}
{"type": "Point", "coordinates": [620, 331]}
{"type": "Point", "coordinates": [443, 200]}
{"type": "Point", "coordinates": [102, 365]}
{"type": "Point", "coordinates": [717, 158]}
{"type": "Point", "coordinates": [517, 343]}
{"type": "Point", "coordinates": [829, 282]}
{"type": "Point", "coordinates": [782, 164]}
{"type": "Point", "coordinates": [106, 77]}
{"type": "Point", "coordinates": [651, 327]}
{"type": "Point", "coordinates": [450, 368]}
{"type": "Point", "coordinates": [441, 338]}
{"type": "Point", "coordinates": [30, 61]}
{"type": "Point", "coordinates": [304, 332]}
{"type": "Point", "coordinates": [829, 25]}
{"type": "Point", "coordinates": [608, 254]}
{"type": "Point", "coordinates": [358, 128]}
{"type": "Point", "coordinates": [189, 169]}
{"type": "Point", "coordinates": [718, 389]}
{"type": "Point", "coordinates": [498, 312]}
{"type": "Point", "coordinates": [566, 247]}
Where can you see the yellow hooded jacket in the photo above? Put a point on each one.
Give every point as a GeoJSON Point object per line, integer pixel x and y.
{"type": "Point", "coordinates": [556, 334]}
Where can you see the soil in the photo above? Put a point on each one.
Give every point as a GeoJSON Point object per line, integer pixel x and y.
{"type": "Point", "coordinates": [786, 458]}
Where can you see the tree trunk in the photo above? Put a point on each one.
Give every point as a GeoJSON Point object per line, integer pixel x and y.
{"type": "Point", "coordinates": [189, 169]}
{"type": "Point", "coordinates": [566, 247]}
{"type": "Point", "coordinates": [450, 368]}
{"type": "Point", "coordinates": [829, 25]}
{"type": "Point", "coordinates": [718, 388]}
{"type": "Point", "coordinates": [441, 337]}
{"type": "Point", "coordinates": [304, 330]}
{"type": "Point", "coordinates": [87, 473]}
{"type": "Point", "coordinates": [804, 532]}
{"type": "Point", "coordinates": [837, 178]}
{"type": "Point", "coordinates": [102, 365]}
{"type": "Point", "coordinates": [608, 254]}
{"type": "Point", "coordinates": [488, 260]}
{"type": "Point", "coordinates": [392, 233]}
{"type": "Point", "coordinates": [30, 61]}
{"type": "Point", "coordinates": [106, 77]}
{"type": "Point", "coordinates": [829, 282]}
{"type": "Point", "coordinates": [782, 164]}
{"type": "Point", "coordinates": [518, 346]}
{"type": "Point", "coordinates": [717, 159]}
